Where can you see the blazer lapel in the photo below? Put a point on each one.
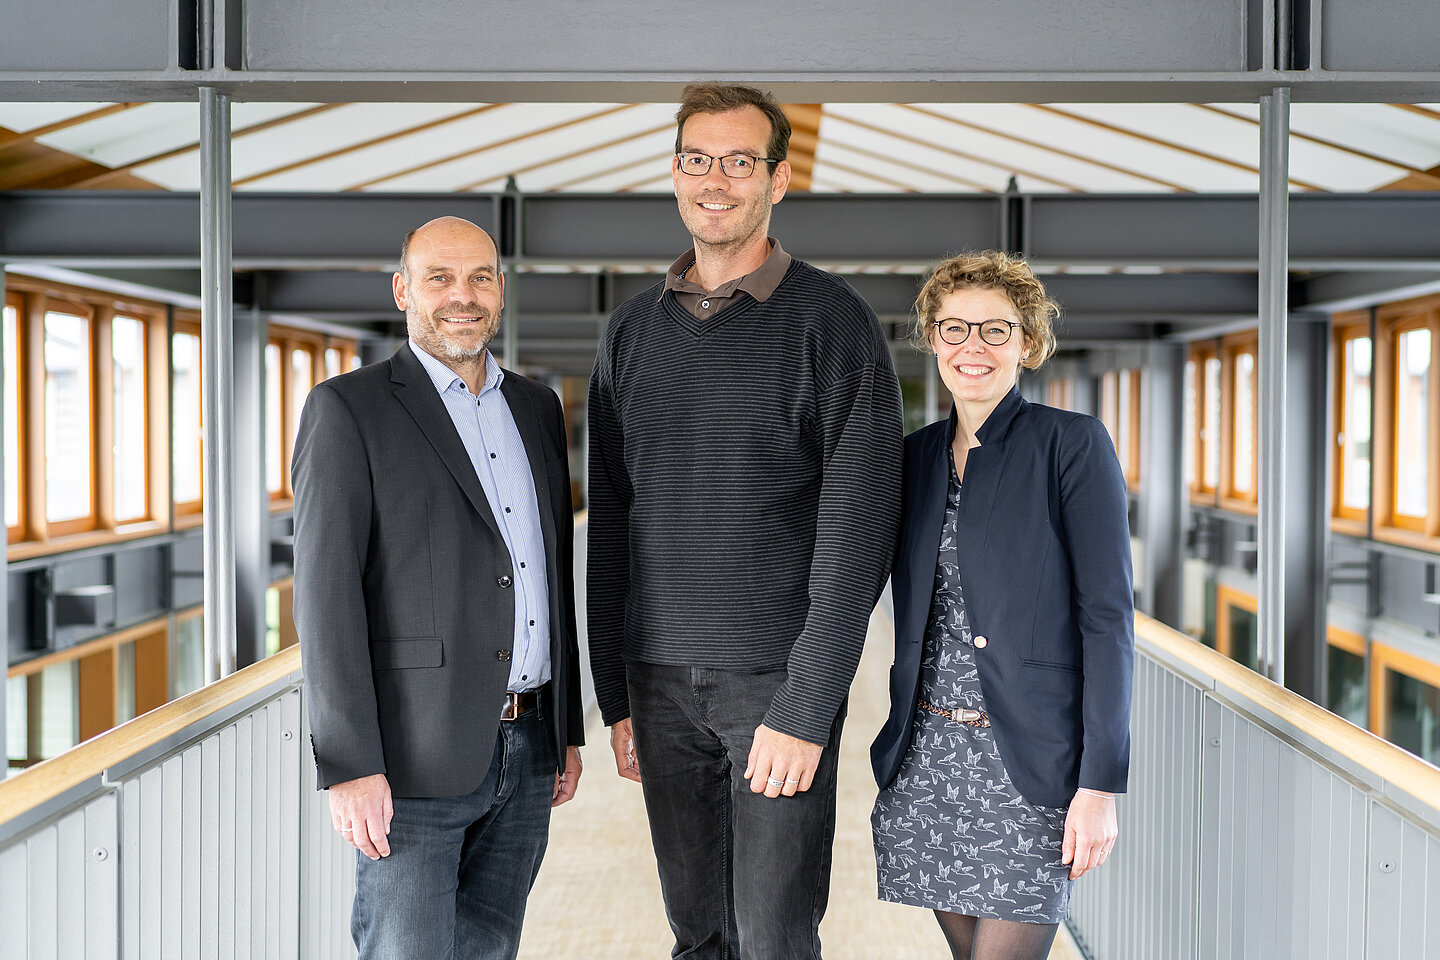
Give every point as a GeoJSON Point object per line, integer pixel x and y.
{"type": "Point", "coordinates": [527, 421]}
{"type": "Point", "coordinates": [929, 517]}
{"type": "Point", "coordinates": [416, 391]}
{"type": "Point", "coordinates": [984, 467]}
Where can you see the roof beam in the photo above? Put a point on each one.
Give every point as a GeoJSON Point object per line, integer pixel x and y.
{"type": "Point", "coordinates": [804, 141]}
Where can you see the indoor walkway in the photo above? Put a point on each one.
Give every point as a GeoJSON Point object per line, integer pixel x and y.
{"type": "Point", "coordinates": [598, 897]}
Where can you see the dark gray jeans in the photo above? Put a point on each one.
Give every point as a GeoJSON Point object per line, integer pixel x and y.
{"type": "Point", "coordinates": [744, 877]}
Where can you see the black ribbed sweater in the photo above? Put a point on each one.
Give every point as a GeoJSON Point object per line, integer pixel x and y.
{"type": "Point", "coordinates": [744, 491]}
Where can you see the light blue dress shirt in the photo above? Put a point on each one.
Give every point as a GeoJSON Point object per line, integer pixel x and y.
{"type": "Point", "coordinates": [488, 431]}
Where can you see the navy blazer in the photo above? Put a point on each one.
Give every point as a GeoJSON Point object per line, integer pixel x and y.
{"type": "Point", "coordinates": [1044, 557]}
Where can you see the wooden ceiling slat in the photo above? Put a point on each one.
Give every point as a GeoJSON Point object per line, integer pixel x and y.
{"type": "Point", "coordinates": [609, 171]}
{"type": "Point", "coordinates": [870, 175]}
{"type": "Point", "coordinates": [372, 142]}
{"type": "Point", "coordinates": [1050, 148]}
{"type": "Point", "coordinates": [917, 167]}
{"type": "Point", "coordinates": [35, 166]}
{"type": "Point", "coordinates": [191, 147]}
{"type": "Point", "coordinates": [1167, 144]}
{"type": "Point", "coordinates": [489, 146]}
{"type": "Point", "coordinates": [1424, 180]}
{"type": "Point", "coordinates": [550, 161]}
{"type": "Point", "coordinates": [1417, 109]}
{"type": "Point", "coordinates": [804, 141]}
{"type": "Point", "coordinates": [1414, 172]}
{"type": "Point", "coordinates": [1008, 168]}
{"type": "Point", "coordinates": [13, 139]}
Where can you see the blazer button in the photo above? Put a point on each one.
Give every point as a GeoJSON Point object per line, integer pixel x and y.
{"type": "Point", "coordinates": [504, 581]}
{"type": "Point", "coordinates": [980, 643]}
{"type": "Point", "coordinates": [502, 654]}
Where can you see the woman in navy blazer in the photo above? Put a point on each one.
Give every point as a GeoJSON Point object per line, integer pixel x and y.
{"type": "Point", "coordinates": [1013, 632]}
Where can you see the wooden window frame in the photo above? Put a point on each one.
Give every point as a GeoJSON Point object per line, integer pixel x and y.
{"type": "Point", "coordinates": [1382, 658]}
{"type": "Point", "coordinates": [1225, 598]}
{"type": "Point", "coordinates": [1199, 354]}
{"type": "Point", "coordinates": [289, 340]}
{"type": "Point", "coordinates": [1344, 328]}
{"type": "Point", "coordinates": [1230, 348]}
{"type": "Point", "coordinates": [1392, 320]}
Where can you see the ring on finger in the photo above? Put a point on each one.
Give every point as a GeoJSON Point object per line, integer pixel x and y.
{"type": "Point", "coordinates": [774, 782]}
{"type": "Point", "coordinates": [788, 780]}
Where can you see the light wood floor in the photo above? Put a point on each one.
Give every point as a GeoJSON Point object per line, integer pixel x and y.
{"type": "Point", "coordinates": [598, 897]}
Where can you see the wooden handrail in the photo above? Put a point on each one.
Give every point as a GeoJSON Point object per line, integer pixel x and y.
{"type": "Point", "coordinates": [50, 778]}
{"type": "Point", "coordinates": [1381, 757]}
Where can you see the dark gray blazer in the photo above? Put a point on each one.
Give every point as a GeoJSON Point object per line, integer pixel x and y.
{"type": "Point", "coordinates": [404, 596]}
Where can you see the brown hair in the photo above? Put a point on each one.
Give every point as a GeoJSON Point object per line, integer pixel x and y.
{"type": "Point", "coordinates": [710, 97]}
{"type": "Point", "coordinates": [990, 270]}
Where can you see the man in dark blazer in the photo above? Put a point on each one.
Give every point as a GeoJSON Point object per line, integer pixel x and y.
{"type": "Point", "coordinates": [436, 613]}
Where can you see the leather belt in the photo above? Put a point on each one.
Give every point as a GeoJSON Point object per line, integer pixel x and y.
{"type": "Point", "coordinates": [519, 704]}
{"type": "Point", "coordinates": [965, 715]}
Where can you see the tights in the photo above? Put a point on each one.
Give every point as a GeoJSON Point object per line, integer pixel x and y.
{"type": "Point", "coordinates": [973, 938]}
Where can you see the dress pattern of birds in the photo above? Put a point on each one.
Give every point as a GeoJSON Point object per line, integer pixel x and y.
{"type": "Point", "coordinates": [951, 832]}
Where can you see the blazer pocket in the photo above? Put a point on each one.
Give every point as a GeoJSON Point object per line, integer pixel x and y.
{"type": "Point", "coordinates": [400, 654]}
{"type": "Point", "coordinates": [1052, 665]}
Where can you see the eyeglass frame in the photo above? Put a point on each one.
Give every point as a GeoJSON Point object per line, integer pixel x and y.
{"type": "Point", "coordinates": [971, 325]}
{"type": "Point", "coordinates": [680, 155]}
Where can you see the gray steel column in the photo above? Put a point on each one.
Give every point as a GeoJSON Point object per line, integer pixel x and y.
{"type": "Point", "coordinates": [510, 327]}
{"type": "Point", "coordinates": [1307, 505]}
{"type": "Point", "coordinates": [1162, 498]}
{"type": "Point", "coordinates": [932, 391]}
{"type": "Point", "coordinates": [217, 362]}
{"type": "Point", "coordinates": [252, 497]}
{"type": "Point", "coordinates": [1274, 316]}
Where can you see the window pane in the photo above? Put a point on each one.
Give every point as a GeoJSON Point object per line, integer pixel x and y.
{"type": "Point", "coordinates": [185, 356]}
{"type": "Point", "coordinates": [1244, 421]}
{"type": "Point", "coordinates": [272, 621]}
{"type": "Point", "coordinates": [1244, 634]}
{"type": "Point", "coordinates": [1412, 716]}
{"type": "Point", "coordinates": [355, 362]}
{"type": "Point", "coordinates": [273, 428]}
{"type": "Point", "coordinates": [124, 683]}
{"type": "Point", "coordinates": [1412, 442]}
{"type": "Point", "coordinates": [59, 710]}
{"type": "Point", "coordinates": [188, 662]}
{"type": "Point", "coordinates": [17, 719]}
{"type": "Point", "coordinates": [302, 366]}
{"type": "Point", "coordinates": [332, 362]}
{"type": "Point", "coordinates": [1345, 686]}
{"type": "Point", "coordinates": [1122, 421]}
{"type": "Point", "coordinates": [12, 418]}
{"type": "Point", "coordinates": [1109, 406]}
{"type": "Point", "coordinates": [128, 335]}
{"type": "Point", "coordinates": [67, 417]}
{"type": "Point", "coordinates": [1355, 426]}
{"type": "Point", "coordinates": [1210, 429]}
{"type": "Point", "coordinates": [1188, 428]}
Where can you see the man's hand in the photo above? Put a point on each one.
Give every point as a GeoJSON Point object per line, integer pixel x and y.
{"type": "Point", "coordinates": [1090, 832]}
{"type": "Point", "coordinates": [622, 741]}
{"type": "Point", "coordinates": [566, 782]}
{"type": "Point", "coordinates": [361, 810]}
{"type": "Point", "coordinates": [780, 764]}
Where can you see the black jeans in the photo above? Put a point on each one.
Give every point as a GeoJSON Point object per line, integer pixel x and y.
{"type": "Point", "coordinates": [745, 877]}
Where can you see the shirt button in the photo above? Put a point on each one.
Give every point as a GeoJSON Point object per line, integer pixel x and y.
{"type": "Point", "coordinates": [705, 304]}
{"type": "Point", "coordinates": [532, 623]}
{"type": "Point", "coordinates": [504, 581]}
{"type": "Point", "coordinates": [502, 654]}
{"type": "Point", "coordinates": [980, 643]}
{"type": "Point", "coordinates": [522, 564]}
{"type": "Point", "coordinates": [492, 456]}
{"type": "Point", "coordinates": [507, 509]}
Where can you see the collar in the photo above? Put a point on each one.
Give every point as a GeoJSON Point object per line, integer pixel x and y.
{"type": "Point", "coordinates": [997, 425]}
{"type": "Point", "coordinates": [760, 283]}
{"type": "Point", "coordinates": [444, 378]}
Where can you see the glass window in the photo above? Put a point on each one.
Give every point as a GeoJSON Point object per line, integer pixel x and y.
{"type": "Point", "coordinates": [1110, 406]}
{"type": "Point", "coordinates": [274, 436]}
{"type": "Point", "coordinates": [1210, 426]}
{"type": "Point", "coordinates": [17, 723]}
{"type": "Point", "coordinates": [1244, 422]}
{"type": "Point", "coordinates": [355, 361]}
{"type": "Point", "coordinates": [332, 362]}
{"type": "Point", "coordinates": [1188, 427]}
{"type": "Point", "coordinates": [124, 683]}
{"type": "Point", "coordinates": [59, 709]}
{"type": "Point", "coordinates": [1412, 715]}
{"type": "Point", "coordinates": [1354, 439]}
{"type": "Point", "coordinates": [128, 338]}
{"type": "Point", "coordinates": [1244, 636]}
{"type": "Point", "coordinates": [302, 369]}
{"type": "Point", "coordinates": [68, 408]}
{"type": "Point", "coordinates": [188, 663]}
{"type": "Point", "coordinates": [185, 360]}
{"type": "Point", "coordinates": [1345, 693]}
{"type": "Point", "coordinates": [1412, 441]}
{"type": "Point", "coordinates": [272, 621]}
{"type": "Point", "coordinates": [12, 417]}
{"type": "Point", "coordinates": [1123, 426]}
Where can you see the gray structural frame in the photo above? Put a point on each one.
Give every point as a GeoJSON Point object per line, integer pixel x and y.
{"type": "Point", "coordinates": [1274, 243]}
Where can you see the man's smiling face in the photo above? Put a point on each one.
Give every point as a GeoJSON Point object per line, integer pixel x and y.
{"type": "Point", "coordinates": [451, 290]}
{"type": "Point", "coordinates": [719, 211]}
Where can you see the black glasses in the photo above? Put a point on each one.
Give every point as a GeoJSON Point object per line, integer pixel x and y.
{"type": "Point", "coordinates": [737, 166]}
{"type": "Point", "coordinates": [994, 332]}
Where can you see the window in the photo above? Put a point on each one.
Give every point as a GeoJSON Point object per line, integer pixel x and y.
{"type": "Point", "coordinates": [1237, 626]}
{"type": "Point", "coordinates": [1188, 425]}
{"type": "Point", "coordinates": [130, 446]}
{"type": "Point", "coordinates": [1353, 370]}
{"type": "Point", "coordinates": [274, 418]}
{"type": "Point", "coordinates": [1239, 445]}
{"type": "Point", "coordinates": [69, 427]}
{"type": "Point", "coordinates": [1406, 691]}
{"type": "Point", "coordinates": [1345, 690]}
{"type": "Point", "coordinates": [187, 401]}
{"type": "Point", "coordinates": [1406, 460]}
{"type": "Point", "coordinates": [333, 362]}
{"type": "Point", "coordinates": [1210, 425]}
{"type": "Point", "coordinates": [1203, 406]}
{"type": "Point", "coordinates": [295, 360]}
{"type": "Point", "coordinates": [14, 472]}
{"type": "Point", "coordinates": [188, 652]}
{"type": "Point", "coordinates": [1412, 432]}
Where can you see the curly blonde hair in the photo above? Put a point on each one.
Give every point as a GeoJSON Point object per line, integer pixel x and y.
{"type": "Point", "coordinates": [990, 270]}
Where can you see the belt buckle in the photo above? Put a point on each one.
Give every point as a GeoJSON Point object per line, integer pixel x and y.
{"type": "Point", "coordinates": [967, 715]}
{"type": "Point", "coordinates": [511, 710]}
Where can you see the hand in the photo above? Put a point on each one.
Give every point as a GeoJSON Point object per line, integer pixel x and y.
{"type": "Point", "coordinates": [566, 782]}
{"type": "Point", "coordinates": [1090, 832]}
{"type": "Point", "coordinates": [779, 756]}
{"type": "Point", "coordinates": [361, 810]}
{"type": "Point", "coordinates": [622, 741]}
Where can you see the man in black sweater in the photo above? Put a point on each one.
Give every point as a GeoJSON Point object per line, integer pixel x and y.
{"type": "Point", "coordinates": [745, 446]}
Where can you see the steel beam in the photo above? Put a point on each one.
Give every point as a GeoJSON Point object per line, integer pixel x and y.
{"type": "Point", "coordinates": [1162, 503]}
{"type": "Point", "coordinates": [217, 360]}
{"type": "Point", "coordinates": [1274, 322]}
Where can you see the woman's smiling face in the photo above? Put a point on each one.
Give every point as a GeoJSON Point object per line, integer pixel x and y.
{"type": "Point", "coordinates": [978, 373]}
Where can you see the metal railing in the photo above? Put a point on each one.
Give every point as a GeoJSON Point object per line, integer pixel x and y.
{"type": "Point", "coordinates": [194, 831]}
{"type": "Point", "coordinates": [1260, 826]}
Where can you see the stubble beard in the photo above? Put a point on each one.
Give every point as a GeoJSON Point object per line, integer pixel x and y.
{"type": "Point", "coordinates": [755, 225]}
{"type": "Point", "coordinates": [427, 332]}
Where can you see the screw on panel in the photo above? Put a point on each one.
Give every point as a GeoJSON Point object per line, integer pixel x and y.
{"type": "Point", "coordinates": [287, 735]}
{"type": "Point", "coordinates": [1387, 866]}
{"type": "Point", "coordinates": [100, 853]}
{"type": "Point", "coordinates": [1214, 741]}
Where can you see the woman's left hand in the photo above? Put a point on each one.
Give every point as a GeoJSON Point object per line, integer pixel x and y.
{"type": "Point", "coordinates": [1090, 832]}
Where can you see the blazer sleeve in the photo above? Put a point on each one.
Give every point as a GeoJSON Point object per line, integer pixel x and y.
{"type": "Point", "coordinates": [565, 565]}
{"type": "Point", "coordinates": [1097, 532]}
{"type": "Point", "coordinates": [331, 475]}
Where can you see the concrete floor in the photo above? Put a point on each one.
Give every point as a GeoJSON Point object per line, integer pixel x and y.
{"type": "Point", "coordinates": [598, 897]}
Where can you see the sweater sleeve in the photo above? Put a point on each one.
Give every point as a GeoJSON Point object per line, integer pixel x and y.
{"type": "Point", "coordinates": [607, 563]}
{"type": "Point", "coordinates": [1097, 531]}
{"type": "Point", "coordinates": [860, 424]}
